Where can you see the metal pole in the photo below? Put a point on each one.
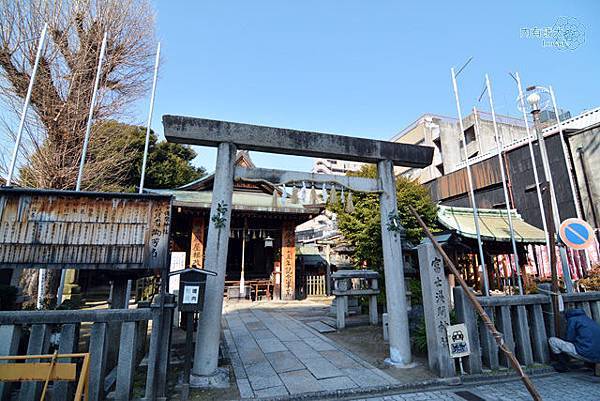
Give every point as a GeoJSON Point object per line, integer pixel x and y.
{"type": "Point", "coordinates": [146, 144]}
{"type": "Point", "coordinates": [534, 164]}
{"type": "Point", "coordinates": [471, 191]}
{"type": "Point", "coordinates": [38, 55]}
{"type": "Point", "coordinates": [86, 138]}
{"type": "Point", "coordinates": [552, 258]}
{"type": "Point", "coordinates": [569, 167]}
{"type": "Point", "coordinates": [500, 146]}
{"type": "Point", "coordinates": [556, 218]}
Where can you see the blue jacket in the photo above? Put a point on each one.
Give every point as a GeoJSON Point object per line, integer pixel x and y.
{"type": "Point", "coordinates": [584, 333]}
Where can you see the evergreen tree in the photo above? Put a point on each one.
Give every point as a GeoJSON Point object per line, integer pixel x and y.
{"type": "Point", "coordinates": [362, 227]}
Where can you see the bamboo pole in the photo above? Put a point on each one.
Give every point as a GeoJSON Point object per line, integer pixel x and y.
{"type": "Point", "coordinates": [480, 311]}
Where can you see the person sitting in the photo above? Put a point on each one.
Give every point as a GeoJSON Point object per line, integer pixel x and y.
{"type": "Point", "coordinates": [582, 340]}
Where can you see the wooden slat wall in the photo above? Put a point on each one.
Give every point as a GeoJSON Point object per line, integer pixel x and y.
{"type": "Point", "coordinates": [38, 230]}
{"type": "Point", "coordinates": [485, 174]}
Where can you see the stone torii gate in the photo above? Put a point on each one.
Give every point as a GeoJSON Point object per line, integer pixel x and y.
{"type": "Point", "coordinates": [228, 137]}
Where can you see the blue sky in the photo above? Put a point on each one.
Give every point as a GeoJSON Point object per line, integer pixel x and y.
{"type": "Point", "coordinates": [361, 68]}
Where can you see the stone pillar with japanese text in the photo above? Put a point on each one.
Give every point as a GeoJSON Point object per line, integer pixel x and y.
{"type": "Point", "coordinates": [288, 261]}
{"type": "Point", "coordinates": [436, 307]}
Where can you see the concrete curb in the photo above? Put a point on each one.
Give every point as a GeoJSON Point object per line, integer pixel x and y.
{"type": "Point", "coordinates": [426, 385]}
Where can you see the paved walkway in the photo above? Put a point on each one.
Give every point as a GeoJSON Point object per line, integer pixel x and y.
{"type": "Point", "coordinates": [571, 387]}
{"type": "Point", "coordinates": [273, 354]}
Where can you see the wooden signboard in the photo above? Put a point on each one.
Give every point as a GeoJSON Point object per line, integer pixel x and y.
{"type": "Point", "coordinates": [288, 261]}
{"type": "Point", "coordinates": [83, 230]}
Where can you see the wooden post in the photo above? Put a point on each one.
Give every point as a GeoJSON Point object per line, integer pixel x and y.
{"type": "Point", "coordinates": [393, 265]}
{"type": "Point", "coordinates": [197, 242]}
{"type": "Point", "coordinates": [277, 279]}
{"type": "Point", "coordinates": [328, 270]}
{"type": "Point", "coordinates": [288, 261]}
{"type": "Point", "coordinates": [209, 325]}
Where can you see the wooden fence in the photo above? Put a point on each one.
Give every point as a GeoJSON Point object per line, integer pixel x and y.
{"type": "Point", "coordinates": [315, 286]}
{"type": "Point", "coordinates": [117, 340]}
{"type": "Point", "coordinates": [526, 322]}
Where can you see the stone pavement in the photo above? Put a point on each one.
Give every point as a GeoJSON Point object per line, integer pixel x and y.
{"type": "Point", "coordinates": [273, 354]}
{"type": "Point", "coordinates": [556, 387]}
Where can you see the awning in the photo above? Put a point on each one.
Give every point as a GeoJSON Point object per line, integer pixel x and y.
{"type": "Point", "coordinates": [493, 224]}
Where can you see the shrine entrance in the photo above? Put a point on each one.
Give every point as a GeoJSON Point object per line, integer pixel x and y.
{"type": "Point", "coordinates": [260, 233]}
{"type": "Point", "coordinates": [230, 137]}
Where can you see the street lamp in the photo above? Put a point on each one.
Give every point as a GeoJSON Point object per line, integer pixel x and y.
{"type": "Point", "coordinates": [534, 102]}
{"type": "Point", "coordinates": [537, 100]}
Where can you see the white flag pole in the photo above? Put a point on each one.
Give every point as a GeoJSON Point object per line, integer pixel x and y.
{"type": "Point", "coordinates": [63, 272]}
{"type": "Point", "coordinates": [471, 191]}
{"type": "Point", "coordinates": [500, 149]}
{"type": "Point", "coordinates": [145, 159]}
{"type": "Point", "coordinates": [536, 176]}
{"type": "Point", "coordinates": [568, 165]}
{"type": "Point", "coordinates": [86, 138]}
{"type": "Point", "coordinates": [38, 55]}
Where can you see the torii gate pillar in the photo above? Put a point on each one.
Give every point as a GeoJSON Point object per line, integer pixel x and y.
{"type": "Point", "coordinates": [393, 265]}
{"type": "Point", "coordinates": [205, 372]}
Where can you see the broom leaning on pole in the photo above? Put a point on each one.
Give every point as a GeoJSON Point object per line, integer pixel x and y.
{"type": "Point", "coordinates": [486, 319]}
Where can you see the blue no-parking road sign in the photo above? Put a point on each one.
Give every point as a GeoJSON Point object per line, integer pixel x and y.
{"type": "Point", "coordinates": [576, 233]}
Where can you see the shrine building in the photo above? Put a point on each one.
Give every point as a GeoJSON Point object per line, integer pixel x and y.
{"type": "Point", "coordinates": [261, 260]}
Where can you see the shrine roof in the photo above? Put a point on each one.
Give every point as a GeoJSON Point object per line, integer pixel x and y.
{"type": "Point", "coordinates": [493, 224]}
{"type": "Point", "coordinates": [248, 201]}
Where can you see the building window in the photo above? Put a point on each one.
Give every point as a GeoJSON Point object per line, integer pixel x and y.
{"type": "Point", "coordinates": [470, 135]}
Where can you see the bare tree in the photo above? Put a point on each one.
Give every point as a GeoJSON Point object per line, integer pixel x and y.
{"type": "Point", "coordinates": [63, 87]}
{"type": "Point", "coordinates": [60, 101]}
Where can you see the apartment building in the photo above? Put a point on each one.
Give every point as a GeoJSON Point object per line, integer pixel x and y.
{"type": "Point", "coordinates": [330, 166]}
{"type": "Point", "coordinates": [443, 134]}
